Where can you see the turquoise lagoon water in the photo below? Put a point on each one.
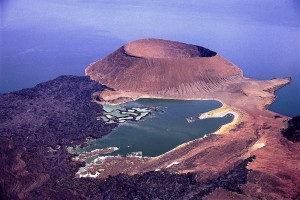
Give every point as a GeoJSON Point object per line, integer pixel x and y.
{"type": "Point", "coordinates": [160, 132]}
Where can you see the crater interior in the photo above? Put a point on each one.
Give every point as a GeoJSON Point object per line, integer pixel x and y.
{"type": "Point", "coordinates": [158, 48]}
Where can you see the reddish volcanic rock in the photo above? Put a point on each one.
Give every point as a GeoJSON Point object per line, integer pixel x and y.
{"type": "Point", "coordinates": [256, 156]}
{"type": "Point", "coordinates": [153, 68]}
{"type": "Point", "coordinates": [157, 48]}
{"type": "Point", "coordinates": [149, 65]}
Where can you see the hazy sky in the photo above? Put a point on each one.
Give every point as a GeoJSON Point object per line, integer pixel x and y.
{"type": "Point", "coordinates": [224, 26]}
{"type": "Point", "coordinates": [134, 19]}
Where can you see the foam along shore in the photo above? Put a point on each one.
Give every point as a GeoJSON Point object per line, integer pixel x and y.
{"type": "Point", "coordinates": [85, 155]}
{"type": "Point", "coordinates": [93, 170]}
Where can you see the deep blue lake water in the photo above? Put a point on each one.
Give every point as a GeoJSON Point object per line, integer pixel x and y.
{"type": "Point", "coordinates": [40, 40]}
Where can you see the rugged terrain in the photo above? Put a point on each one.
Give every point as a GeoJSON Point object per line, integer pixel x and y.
{"type": "Point", "coordinates": [152, 68]}
{"type": "Point", "coordinates": [52, 115]}
{"type": "Point", "coordinates": [254, 157]}
{"type": "Point", "coordinates": [38, 124]}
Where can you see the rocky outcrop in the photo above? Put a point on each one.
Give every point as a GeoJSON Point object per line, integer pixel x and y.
{"type": "Point", "coordinates": [292, 133]}
{"type": "Point", "coordinates": [165, 185]}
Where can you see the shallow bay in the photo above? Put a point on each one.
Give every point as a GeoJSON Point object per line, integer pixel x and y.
{"type": "Point", "coordinates": [160, 132]}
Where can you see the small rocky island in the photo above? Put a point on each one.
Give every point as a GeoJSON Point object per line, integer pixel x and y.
{"type": "Point", "coordinates": [254, 157]}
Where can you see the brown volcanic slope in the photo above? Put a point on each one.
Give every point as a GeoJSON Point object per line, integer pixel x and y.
{"type": "Point", "coordinates": [153, 68]}
{"type": "Point", "coordinates": [149, 65]}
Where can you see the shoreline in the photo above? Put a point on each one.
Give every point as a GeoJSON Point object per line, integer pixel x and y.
{"type": "Point", "coordinates": [243, 111]}
{"type": "Point", "coordinates": [220, 114]}
{"type": "Point", "coordinates": [257, 133]}
{"type": "Point", "coordinates": [216, 113]}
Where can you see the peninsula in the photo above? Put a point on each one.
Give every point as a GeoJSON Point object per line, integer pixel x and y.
{"type": "Point", "coordinates": [155, 68]}
{"type": "Point", "coordinates": [256, 156]}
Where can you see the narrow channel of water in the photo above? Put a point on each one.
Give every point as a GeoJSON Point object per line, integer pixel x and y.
{"type": "Point", "coordinates": [163, 129]}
